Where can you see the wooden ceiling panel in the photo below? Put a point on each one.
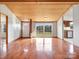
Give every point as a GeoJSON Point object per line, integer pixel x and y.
{"type": "Point", "coordinates": [39, 0]}
{"type": "Point", "coordinates": [38, 11]}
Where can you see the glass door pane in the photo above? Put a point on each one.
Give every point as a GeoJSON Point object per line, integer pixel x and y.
{"type": "Point", "coordinates": [44, 30]}
{"type": "Point", "coordinates": [3, 31]}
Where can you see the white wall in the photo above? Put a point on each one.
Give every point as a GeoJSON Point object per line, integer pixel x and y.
{"type": "Point", "coordinates": [16, 28]}
{"type": "Point", "coordinates": [68, 15]}
{"type": "Point", "coordinates": [76, 24]}
{"type": "Point", "coordinates": [54, 29]}
{"type": "Point", "coordinates": [13, 30]}
{"type": "Point", "coordinates": [60, 28]}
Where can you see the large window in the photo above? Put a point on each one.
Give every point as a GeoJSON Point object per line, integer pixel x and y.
{"type": "Point", "coordinates": [46, 28]}
{"type": "Point", "coordinates": [39, 28]}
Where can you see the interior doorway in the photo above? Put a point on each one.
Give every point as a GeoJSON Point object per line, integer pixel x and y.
{"type": "Point", "coordinates": [68, 29]}
{"type": "Point", "coordinates": [25, 30]}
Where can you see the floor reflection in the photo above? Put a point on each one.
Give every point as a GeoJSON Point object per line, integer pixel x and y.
{"type": "Point", "coordinates": [39, 44]}
{"type": "Point", "coordinates": [71, 49]}
{"type": "Point", "coordinates": [3, 45]}
{"type": "Point", "coordinates": [70, 46]}
{"type": "Point", "coordinates": [3, 48]}
{"type": "Point", "coordinates": [48, 44]}
{"type": "Point", "coordinates": [43, 44]}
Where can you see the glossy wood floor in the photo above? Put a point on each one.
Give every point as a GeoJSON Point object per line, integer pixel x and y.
{"type": "Point", "coordinates": [40, 48]}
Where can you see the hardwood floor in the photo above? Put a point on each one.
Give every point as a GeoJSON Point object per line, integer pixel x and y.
{"type": "Point", "coordinates": [40, 48]}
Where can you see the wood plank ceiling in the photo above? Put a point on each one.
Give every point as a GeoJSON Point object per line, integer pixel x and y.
{"type": "Point", "coordinates": [39, 0]}
{"type": "Point", "coordinates": [42, 11]}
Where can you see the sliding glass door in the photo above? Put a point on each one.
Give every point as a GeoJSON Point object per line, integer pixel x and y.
{"type": "Point", "coordinates": [3, 31]}
{"type": "Point", "coordinates": [44, 30]}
